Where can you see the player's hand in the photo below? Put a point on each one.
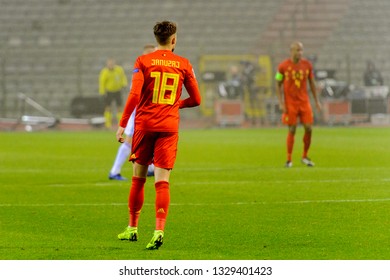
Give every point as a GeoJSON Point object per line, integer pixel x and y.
{"type": "Point", "coordinates": [282, 108]}
{"type": "Point", "coordinates": [119, 134]}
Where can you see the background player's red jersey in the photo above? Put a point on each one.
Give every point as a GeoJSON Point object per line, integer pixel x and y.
{"type": "Point", "coordinates": [295, 76]}
{"type": "Point", "coordinates": [157, 84]}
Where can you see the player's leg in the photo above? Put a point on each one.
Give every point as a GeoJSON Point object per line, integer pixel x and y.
{"type": "Point", "coordinates": [307, 120]}
{"type": "Point", "coordinates": [121, 157]}
{"type": "Point", "coordinates": [164, 159]}
{"type": "Point", "coordinates": [136, 196]}
{"type": "Point", "coordinates": [142, 155]}
{"type": "Point", "coordinates": [290, 144]}
{"type": "Point", "coordinates": [306, 145]}
{"type": "Point", "coordinates": [162, 196]}
{"type": "Point", "coordinates": [161, 206]}
{"type": "Point", "coordinates": [123, 151]}
{"type": "Point", "coordinates": [290, 118]}
{"type": "Point", "coordinates": [306, 139]}
{"type": "Point", "coordinates": [135, 202]}
{"type": "Point", "coordinates": [151, 170]}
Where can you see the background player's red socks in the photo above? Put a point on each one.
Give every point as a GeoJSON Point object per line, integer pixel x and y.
{"type": "Point", "coordinates": [290, 145]}
{"type": "Point", "coordinates": [306, 143]}
{"type": "Point", "coordinates": [136, 199]}
{"type": "Point", "coordinates": [162, 203]}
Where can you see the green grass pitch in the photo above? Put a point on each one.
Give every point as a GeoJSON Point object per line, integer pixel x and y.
{"type": "Point", "coordinates": [231, 197]}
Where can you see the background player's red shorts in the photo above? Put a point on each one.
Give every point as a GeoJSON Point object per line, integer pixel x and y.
{"type": "Point", "coordinates": [159, 148]}
{"type": "Point", "coordinates": [302, 111]}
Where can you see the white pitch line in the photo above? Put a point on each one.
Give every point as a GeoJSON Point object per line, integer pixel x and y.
{"type": "Point", "coordinates": [97, 184]}
{"type": "Point", "coordinates": [251, 167]}
{"type": "Point", "coordinates": [203, 204]}
{"type": "Point", "coordinates": [288, 202]}
{"type": "Point", "coordinates": [284, 181]}
{"type": "Point", "coordinates": [211, 183]}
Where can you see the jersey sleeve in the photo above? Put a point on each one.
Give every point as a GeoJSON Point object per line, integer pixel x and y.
{"type": "Point", "coordinates": [279, 76]}
{"type": "Point", "coordinates": [134, 94]}
{"type": "Point", "coordinates": [192, 87]}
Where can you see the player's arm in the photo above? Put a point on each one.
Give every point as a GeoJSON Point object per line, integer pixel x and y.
{"type": "Point", "coordinates": [279, 90]}
{"type": "Point", "coordinates": [192, 87]}
{"type": "Point", "coordinates": [313, 89]}
{"type": "Point", "coordinates": [194, 98]}
{"type": "Point", "coordinates": [131, 103]}
{"type": "Point", "coordinates": [132, 100]}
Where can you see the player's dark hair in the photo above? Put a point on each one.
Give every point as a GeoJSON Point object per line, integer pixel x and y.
{"type": "Point", "coordinates": [163, 31]}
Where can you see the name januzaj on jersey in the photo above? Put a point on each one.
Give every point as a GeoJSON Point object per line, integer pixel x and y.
{"type": "Point", "coordinates": [167, 63]}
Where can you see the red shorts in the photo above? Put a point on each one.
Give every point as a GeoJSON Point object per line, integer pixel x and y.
{"type": "Point", "coordinates": [159, 148]}
{"type": "Point", "coordinates": [301, 110]}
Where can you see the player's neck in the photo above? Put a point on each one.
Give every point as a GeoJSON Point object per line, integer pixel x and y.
{"type": "Point", "coordinates": [165, 48]}
{"type": "Point", "coordinates": [295, 60]}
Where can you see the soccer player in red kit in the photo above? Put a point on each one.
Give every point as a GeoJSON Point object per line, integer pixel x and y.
{"type": "Point", "coordinates": [292, 77]}
{"type": "Point", "coordinates": [156, 88]}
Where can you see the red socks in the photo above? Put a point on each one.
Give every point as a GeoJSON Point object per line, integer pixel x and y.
{"type": "Point", "coordinates": [306, 143]}
{"type": "Point", "coordinates": [136, 199]}
{"type": "Point", "coordinates": [290, 145]}
{"type": "Point", "coordinates": [162, 203]}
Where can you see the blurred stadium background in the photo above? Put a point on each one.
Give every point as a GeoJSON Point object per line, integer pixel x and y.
{"type": "Point", "coordinates": [53, 50]}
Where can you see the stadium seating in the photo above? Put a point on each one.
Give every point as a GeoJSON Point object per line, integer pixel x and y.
{"type": "Point", "coordinates": [360, 36]}
{"type": "Point", "coordinates": [53, 50]}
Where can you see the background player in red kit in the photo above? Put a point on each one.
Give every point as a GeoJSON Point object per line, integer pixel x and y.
{"type": "Point", "coordinates": [156, 89]}
{"type": "Point", "coordinates": [292, 77]}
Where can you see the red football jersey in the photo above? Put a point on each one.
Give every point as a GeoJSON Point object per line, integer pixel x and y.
{"type": "Point", "coordinates": [156, 88]}
{"type": "Point", "coordinates": [295, 76]}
